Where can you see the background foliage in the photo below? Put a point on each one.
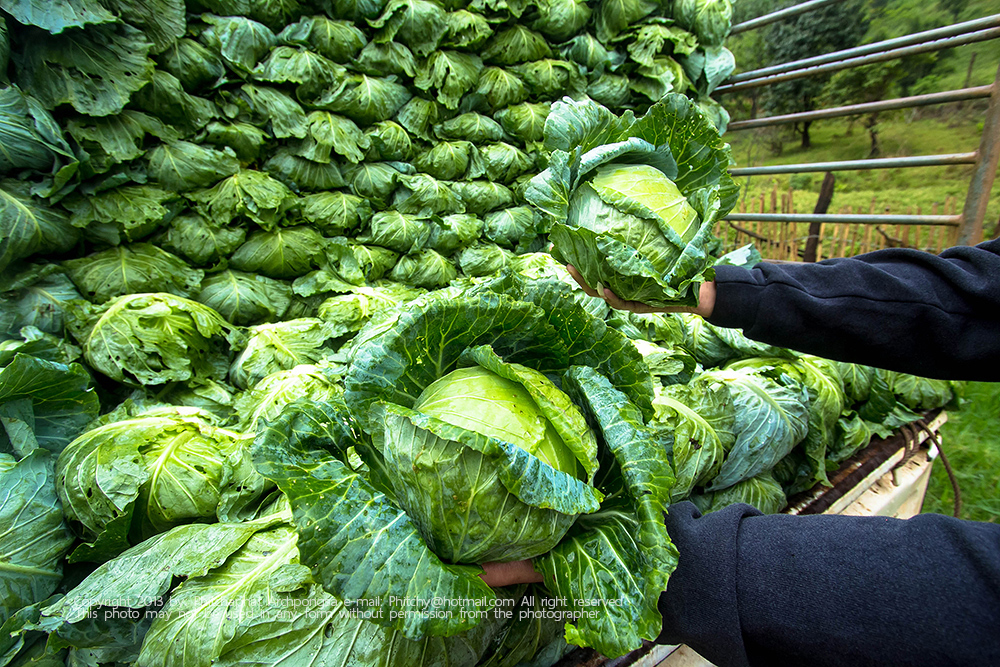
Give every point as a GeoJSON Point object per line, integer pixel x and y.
{"type": "Point", "coordinates": [951, 128]}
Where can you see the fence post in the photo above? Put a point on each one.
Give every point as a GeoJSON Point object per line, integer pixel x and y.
{"type": "Point", "coordinates": [822, 204]}
{"type": "Point", "coordinates": [978, 197]}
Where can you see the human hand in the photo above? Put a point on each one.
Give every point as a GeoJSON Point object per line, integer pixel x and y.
{"type": "Point", "coordinates": [509, 574]}
{"type": "Point", "coordinates": [706, 298]}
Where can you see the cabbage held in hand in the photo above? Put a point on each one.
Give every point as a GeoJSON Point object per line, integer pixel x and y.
{"type": "Point", "coordinates": [633, 202]}
{"type": "Point", "coordinates": [454, 450]}
{"type": "Point", "coordinates": [470, 431]}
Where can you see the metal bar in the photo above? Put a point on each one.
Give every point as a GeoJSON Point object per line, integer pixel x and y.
{"type": "Point", "coordinates": [978, 196]}
{"type": "Point", "coordinates": [980, 36]}
{"type": "Point", "coordinates": [780, 15]}
{"type": "Point", "coordinates": [858, 218]}
{"type": "Point", "coordinates": [865, 49]}
{"type": "Point", "coordinates": [849, 165]}
{"type": "Point", "coordinates": [855, 109]}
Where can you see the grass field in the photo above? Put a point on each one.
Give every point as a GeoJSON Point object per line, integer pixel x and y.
{"type": "Point", "coordinates": [928, 190]}
{"type": "Point", "coordinates": [971, 441]}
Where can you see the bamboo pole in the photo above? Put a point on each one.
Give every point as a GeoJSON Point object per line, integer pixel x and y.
{"type": "Point", "coordinates": [934, 241]}
{"type": "Point", "coordinates": [761, 227]}
{"type": "Point", "coordinates": [774, 228]}
{"type": "Point", "coordinates": [955, 231]}
{"type": "Point", "coordinates": [837, 245]}
{"type": "Point", "coordinates": [842, 243]}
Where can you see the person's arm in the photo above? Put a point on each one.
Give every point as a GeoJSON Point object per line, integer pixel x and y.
{"type": "Point", "coordinates": [833, 590]}
{"type": "Point", "coordinates": [905, 310]}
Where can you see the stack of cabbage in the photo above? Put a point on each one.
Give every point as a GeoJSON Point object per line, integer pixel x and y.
{"type": "Point", "coordinates": [315, 519]}
{"type": "Point", "coordinates": [261, 155]}
{"type": "Point", "coordinates": [747, 422]}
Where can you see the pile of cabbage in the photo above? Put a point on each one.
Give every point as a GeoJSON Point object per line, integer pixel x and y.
{"type": "Point", "coordinates": [259, 156]}
{"type": "Point", "coordinates": [338, 512]}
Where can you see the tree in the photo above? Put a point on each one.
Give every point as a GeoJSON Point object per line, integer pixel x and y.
{"type": "Point", "coordinates": [868, 83]}
{"type": "Point", "coordinates": [830, 28]}
{"type": "Point", "coordinates": [916, 73]}
{"type": "Point", "coordinates": [895, 18]}
{"type": "Point", "coordinates": [751, 50]}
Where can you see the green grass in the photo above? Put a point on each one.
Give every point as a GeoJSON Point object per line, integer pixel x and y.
{"type": "Point", "coordinates": [971, 441]}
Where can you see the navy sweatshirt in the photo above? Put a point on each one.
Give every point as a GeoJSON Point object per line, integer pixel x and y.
{"type": "Point", "coordinates": [835, 590]}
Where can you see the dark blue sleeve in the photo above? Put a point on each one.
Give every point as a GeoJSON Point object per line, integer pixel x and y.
{"type": "Point", "coordinates": [833, 590]}
{"type": "Point", "coordinates": [905, 310]}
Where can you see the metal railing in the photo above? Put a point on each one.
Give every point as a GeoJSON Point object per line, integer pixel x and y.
{"type": "Point", "coordinates": [969, 222]}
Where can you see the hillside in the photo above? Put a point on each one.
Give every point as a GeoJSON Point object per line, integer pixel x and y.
{"type": "Point", "coordinates": [943, 129]}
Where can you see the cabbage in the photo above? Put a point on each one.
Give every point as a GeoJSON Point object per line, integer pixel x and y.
{"type": "Point", "coordinates": [522, 408]}
{"type": "Point", "coordinates": [633, 202]}
{"type": "Point", "coordinates": [482, 401]}
{"type": "Point", "coordinates": [169, 467]}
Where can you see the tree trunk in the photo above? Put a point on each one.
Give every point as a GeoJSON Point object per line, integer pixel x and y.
{"type": "Point", "coordinates": [822, 204]}
{"type": "Point", "coordinates": [968, 76]}
{"type": "Point", "coordinates": [872, 126]}
{"type": "Point", "coordinates": [806, 142]}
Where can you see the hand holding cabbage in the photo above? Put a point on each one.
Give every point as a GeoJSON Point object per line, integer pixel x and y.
{"type": "Point", "coordinates": [633, 202]}
{"type": "Point", "coordinates": [706, 298]}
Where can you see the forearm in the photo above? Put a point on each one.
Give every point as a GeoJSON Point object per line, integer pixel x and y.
{"type": "Point", "coordinates": [833, 590]}
{"type": "Point", "coordinates": [937, 316]}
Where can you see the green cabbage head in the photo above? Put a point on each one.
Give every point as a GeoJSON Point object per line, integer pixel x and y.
{"type": "Point", "coordinates": [633, 202]}
{"type": "Point", "coordinates": [492, 461]}
{"type": "Point", "coordinates": [479, 400]}
{"type": "Point", "coordinates": [127, 480]}
{"type": "Point", "coordinates": [639, 206]}
{"type": "Point", "coordinates": [464, 436]}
